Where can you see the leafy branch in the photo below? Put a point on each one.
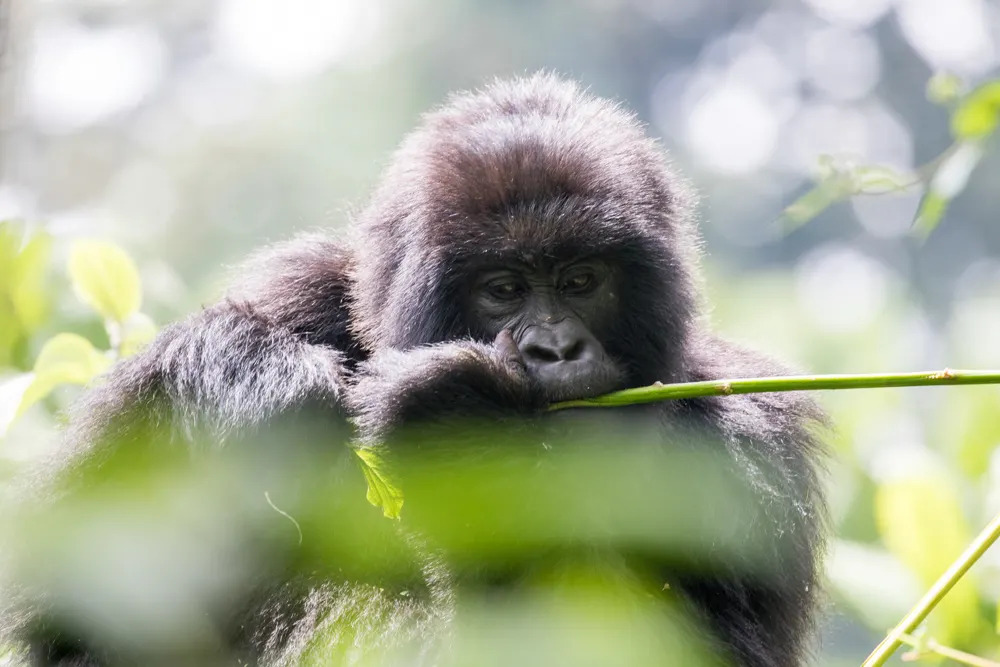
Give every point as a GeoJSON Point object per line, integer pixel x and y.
{"type": "Point", "coordinates": [975, 116]}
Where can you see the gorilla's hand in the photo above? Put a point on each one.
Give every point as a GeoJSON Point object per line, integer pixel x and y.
{"type": "Point", "coordinates": [428, 385]}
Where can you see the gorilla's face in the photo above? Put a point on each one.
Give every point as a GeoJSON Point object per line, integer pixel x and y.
{"type": "Point", "coordinates": [557, 314]}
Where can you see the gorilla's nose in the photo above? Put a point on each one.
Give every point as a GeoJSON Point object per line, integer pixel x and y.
{"type": "Point", "coordinates": [566, 342]}
{"type": "Point", "coordinates": [567, 360]}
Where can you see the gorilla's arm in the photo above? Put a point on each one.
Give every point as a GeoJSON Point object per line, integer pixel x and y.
{"type": "Point", "coordinates": [279, 343]}
{"type": "Point", "coordinates": [427, 385]}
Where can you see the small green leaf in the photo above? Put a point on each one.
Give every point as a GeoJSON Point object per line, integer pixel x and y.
{"type": "Point", "coordinates": [922, 524]}
{"type": "Point", "coordinates": [106, 279]}
{"type": "Point", "coordinates": [808, 206]}
{"type": "Point", "coordinates": [978, 114]}
{"type": "Point", "coordinates": [932, 209]}
{"type": "Point", "coordinates": [948, 181]}
{"type": "Point", "coordinates": [136, 333]}
{"type": "Point", "coordinates": [65, 359]}
{"type": "Point", "coordinates": [943, 88]}
{"type": "Point", "coordinates": [382, 491]}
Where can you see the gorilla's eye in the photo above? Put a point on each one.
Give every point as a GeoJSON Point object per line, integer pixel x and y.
{"type": "Point", "coordinates": [505, 289]}
{"type": "Point", "coordinates": [580, 283]}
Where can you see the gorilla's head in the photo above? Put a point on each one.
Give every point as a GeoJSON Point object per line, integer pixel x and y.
{"type": "Point", "coordinates": [532, 208]}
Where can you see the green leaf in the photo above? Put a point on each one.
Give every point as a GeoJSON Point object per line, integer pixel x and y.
{"type": "Point", "coordinates": [65, 359]}
{"type": "Point", "coordinates": [382, 491]}
{"type": "Point", "coordinates": [948, 181]}
{"type": "Point", "coordinates": [24, 302]}
{"type": "Point", "coordinates": [978, 114]}
{"type": "Point", "coordinates": [27, 293]}
{"type": "Point", "coordinates": [837, 181]}
{"type": "Point", "coordinates": [106, 279]}
{"type": "Point", "coordinates": [921, 523]}
{"type": "Point", "coordinates": [932, 209]}
{"type": "Point", "coordinates": [808, 206]}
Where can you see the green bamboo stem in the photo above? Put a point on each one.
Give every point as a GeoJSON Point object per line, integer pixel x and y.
{"type": "Point", "coordinates": [663, 392]}
{"type": "Point", "coordinates": [934, 595]}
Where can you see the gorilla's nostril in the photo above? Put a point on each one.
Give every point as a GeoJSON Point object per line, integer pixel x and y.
{"type": "Point", "coordinates": [542, 354]}
{"type": "Point", "coordinates": [574, 351]}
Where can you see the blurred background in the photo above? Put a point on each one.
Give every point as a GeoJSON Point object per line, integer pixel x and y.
{"type": "Point", "coordinates": [192, 131]}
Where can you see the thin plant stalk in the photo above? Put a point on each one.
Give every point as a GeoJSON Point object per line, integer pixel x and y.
{"type": "Point", "coordinates": [930, 646]}
{"type": "Point", "coordinates": [662, 392]}
{"type": "Point", "coordinates": [945, 582]}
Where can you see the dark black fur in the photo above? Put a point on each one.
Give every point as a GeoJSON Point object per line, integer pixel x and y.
{"type": "Point", "coordinates": [373, 329]}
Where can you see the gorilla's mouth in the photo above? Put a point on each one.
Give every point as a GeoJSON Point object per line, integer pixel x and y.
{"type": "Point", "coordinates": [567, 381]}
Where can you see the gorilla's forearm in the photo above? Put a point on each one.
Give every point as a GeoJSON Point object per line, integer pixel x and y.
{"type": "Point", "coordinates": [215, 376]}
{"type": "Point", "coordinates": [427, 385]}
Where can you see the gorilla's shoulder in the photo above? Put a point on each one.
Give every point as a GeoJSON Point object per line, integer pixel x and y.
{"type": "Point", "coordinates": [304, 285]}
{"type": "Point", "coordinates": [772, 416]}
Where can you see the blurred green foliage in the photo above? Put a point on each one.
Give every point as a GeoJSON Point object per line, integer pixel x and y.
{"type": "Point", "coordinates": [24, 301]}
{"type": "Point", "coordinates": [103, 276]}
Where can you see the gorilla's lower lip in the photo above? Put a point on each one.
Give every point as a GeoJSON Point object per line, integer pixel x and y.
{"type": "Point", "coordinates": [576, 387]}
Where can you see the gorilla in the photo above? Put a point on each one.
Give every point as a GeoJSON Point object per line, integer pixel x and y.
{"type": "Point", "coordinates": [527, 244]}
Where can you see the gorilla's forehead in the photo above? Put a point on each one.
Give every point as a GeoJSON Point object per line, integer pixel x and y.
{"type": "Point", "coordinates": [538, 234]}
